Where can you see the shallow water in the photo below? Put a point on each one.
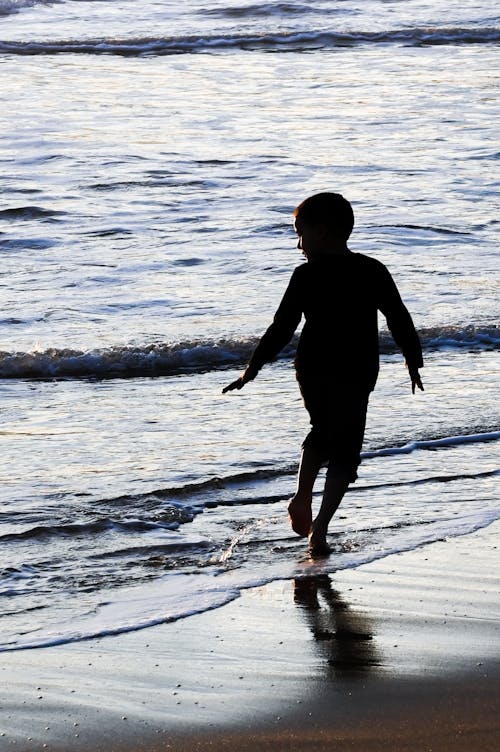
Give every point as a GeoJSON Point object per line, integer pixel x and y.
{"type": "Point", "coordinates": [149, 175]}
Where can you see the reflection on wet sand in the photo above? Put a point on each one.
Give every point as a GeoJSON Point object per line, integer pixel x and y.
{"type": "Point", "coordinates": [344, 636]}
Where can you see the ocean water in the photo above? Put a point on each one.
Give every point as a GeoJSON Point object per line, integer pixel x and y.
{"type": "Point", "coordinates": [151, 158]}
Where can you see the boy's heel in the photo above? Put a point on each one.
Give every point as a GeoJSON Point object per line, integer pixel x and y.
{"type": "Point", "coordinates": [300, 515]}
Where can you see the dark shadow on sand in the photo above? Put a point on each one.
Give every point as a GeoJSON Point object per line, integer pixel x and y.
{"type": "Point", "coordinates": [344, 636]}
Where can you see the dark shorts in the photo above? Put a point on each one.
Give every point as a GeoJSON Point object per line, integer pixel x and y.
{"type": "Point", "coordinates": [338, 418]}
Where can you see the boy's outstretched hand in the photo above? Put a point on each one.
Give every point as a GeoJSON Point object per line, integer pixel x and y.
{"type": "Point", "coordinates": [234, 385]}
{"type": "Point", "coordinates": [248, 375]}
{"type": "Point", "coordinates": [415, 380]}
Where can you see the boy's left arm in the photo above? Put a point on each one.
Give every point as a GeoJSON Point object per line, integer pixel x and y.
{"type": "Point", "coordinates": [401, 326]}
{"type": "Point", "coordinates": [415, 379]}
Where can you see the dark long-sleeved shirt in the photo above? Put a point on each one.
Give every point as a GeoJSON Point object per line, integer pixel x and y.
{"type": "Point", "coordinates": [339, 296]}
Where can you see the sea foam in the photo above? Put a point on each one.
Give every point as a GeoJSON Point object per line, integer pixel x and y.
{"type": "Point", "coordinates": [178, 596]}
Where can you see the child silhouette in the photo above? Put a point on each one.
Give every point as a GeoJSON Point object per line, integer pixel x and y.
{"type": "Point", "coordinates": [339, 293]}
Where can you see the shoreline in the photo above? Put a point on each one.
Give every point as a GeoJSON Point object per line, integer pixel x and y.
{"type": "Point", "coordinates": [400, 654]}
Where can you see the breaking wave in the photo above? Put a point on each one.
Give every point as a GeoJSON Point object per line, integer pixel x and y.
{"type": "Point", "coordinates": [29, 213]}
{"type": "Point", "coordinates": [194, 356]}
{"type": "Point", "coordinates": [8, 7]}
{"type": "Point", "coordinates": [276, 42]}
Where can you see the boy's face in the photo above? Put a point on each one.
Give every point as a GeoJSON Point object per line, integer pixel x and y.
{"type": "Point", "coordinates": [311, 238]}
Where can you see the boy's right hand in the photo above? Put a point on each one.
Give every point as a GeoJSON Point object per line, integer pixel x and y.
{"type": "Point", "coordinates": [238, 384]}
{"type": "Point", "coordinates": [248, 375]}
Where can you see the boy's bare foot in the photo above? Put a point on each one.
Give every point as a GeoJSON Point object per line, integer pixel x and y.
{"type": "Point", "coordinates": [318, 547]}
{"type": "Point", "coordinates": [300, 515]}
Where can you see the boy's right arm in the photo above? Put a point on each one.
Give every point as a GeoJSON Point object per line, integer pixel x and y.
{"type": "Point", "coordinates": [279, 334]}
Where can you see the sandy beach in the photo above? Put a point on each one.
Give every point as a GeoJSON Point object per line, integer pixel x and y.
{"type": "Point", "coordinates": [401, 654]}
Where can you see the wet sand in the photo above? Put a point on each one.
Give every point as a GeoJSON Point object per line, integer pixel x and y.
{"type": "Point", "coordinates": [402, 654]}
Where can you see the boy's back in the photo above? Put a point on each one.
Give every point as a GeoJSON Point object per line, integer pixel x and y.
{"type": "Point", "coordinates": [339, 296]}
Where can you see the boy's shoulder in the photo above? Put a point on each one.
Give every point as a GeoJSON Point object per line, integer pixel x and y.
{"type": "Point", "coordinates": [358, 261]}
{"type": "Point", "coordinates": [370, 263]}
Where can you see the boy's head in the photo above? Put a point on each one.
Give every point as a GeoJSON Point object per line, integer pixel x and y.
{"type": "Point", "coordinates": [331, 210]}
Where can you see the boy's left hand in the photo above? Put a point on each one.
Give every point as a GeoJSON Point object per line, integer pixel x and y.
{"type": "Point", "coordinates": [415, 380]}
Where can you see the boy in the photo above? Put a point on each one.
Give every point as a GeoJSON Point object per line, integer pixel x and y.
{"type": "Point", "coordinates": [339, 293]}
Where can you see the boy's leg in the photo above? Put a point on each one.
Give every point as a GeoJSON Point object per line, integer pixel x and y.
{"type": "Point", "coordinates": [335, 488]}
{"type": "Point", "coordinates": [299, 508]}
{"type": "Point", "coordinates": [347, 420]}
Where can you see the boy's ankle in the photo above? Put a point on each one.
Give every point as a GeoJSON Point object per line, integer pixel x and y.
{"type": "Point", "coordinates": [318, 533]}
{"type": "Point", "coordinates": [301, 499]}
{"type": "Point", "coordinates": [318, 546]}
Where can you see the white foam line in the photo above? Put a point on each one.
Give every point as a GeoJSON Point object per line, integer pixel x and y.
{"type": "Point", "coordinates": [180, 595]}
{"type": "Point", "coordinates": [471, 438]}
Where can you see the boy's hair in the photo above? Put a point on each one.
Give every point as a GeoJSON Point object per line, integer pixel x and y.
{"type": "Point", "coordinates": [330, 209]}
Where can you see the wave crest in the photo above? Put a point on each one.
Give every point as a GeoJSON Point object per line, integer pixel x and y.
{"type": "Point", "coordinates": [116, 362]}
{"type": "Point", "coordinates": [28, 213]}
{"type": "Point", "coordinates": [277, 42]}
{"type": "Point", "coordinates": [8, 7]}
{"type": "Point", "coordinates": [193, 356]}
